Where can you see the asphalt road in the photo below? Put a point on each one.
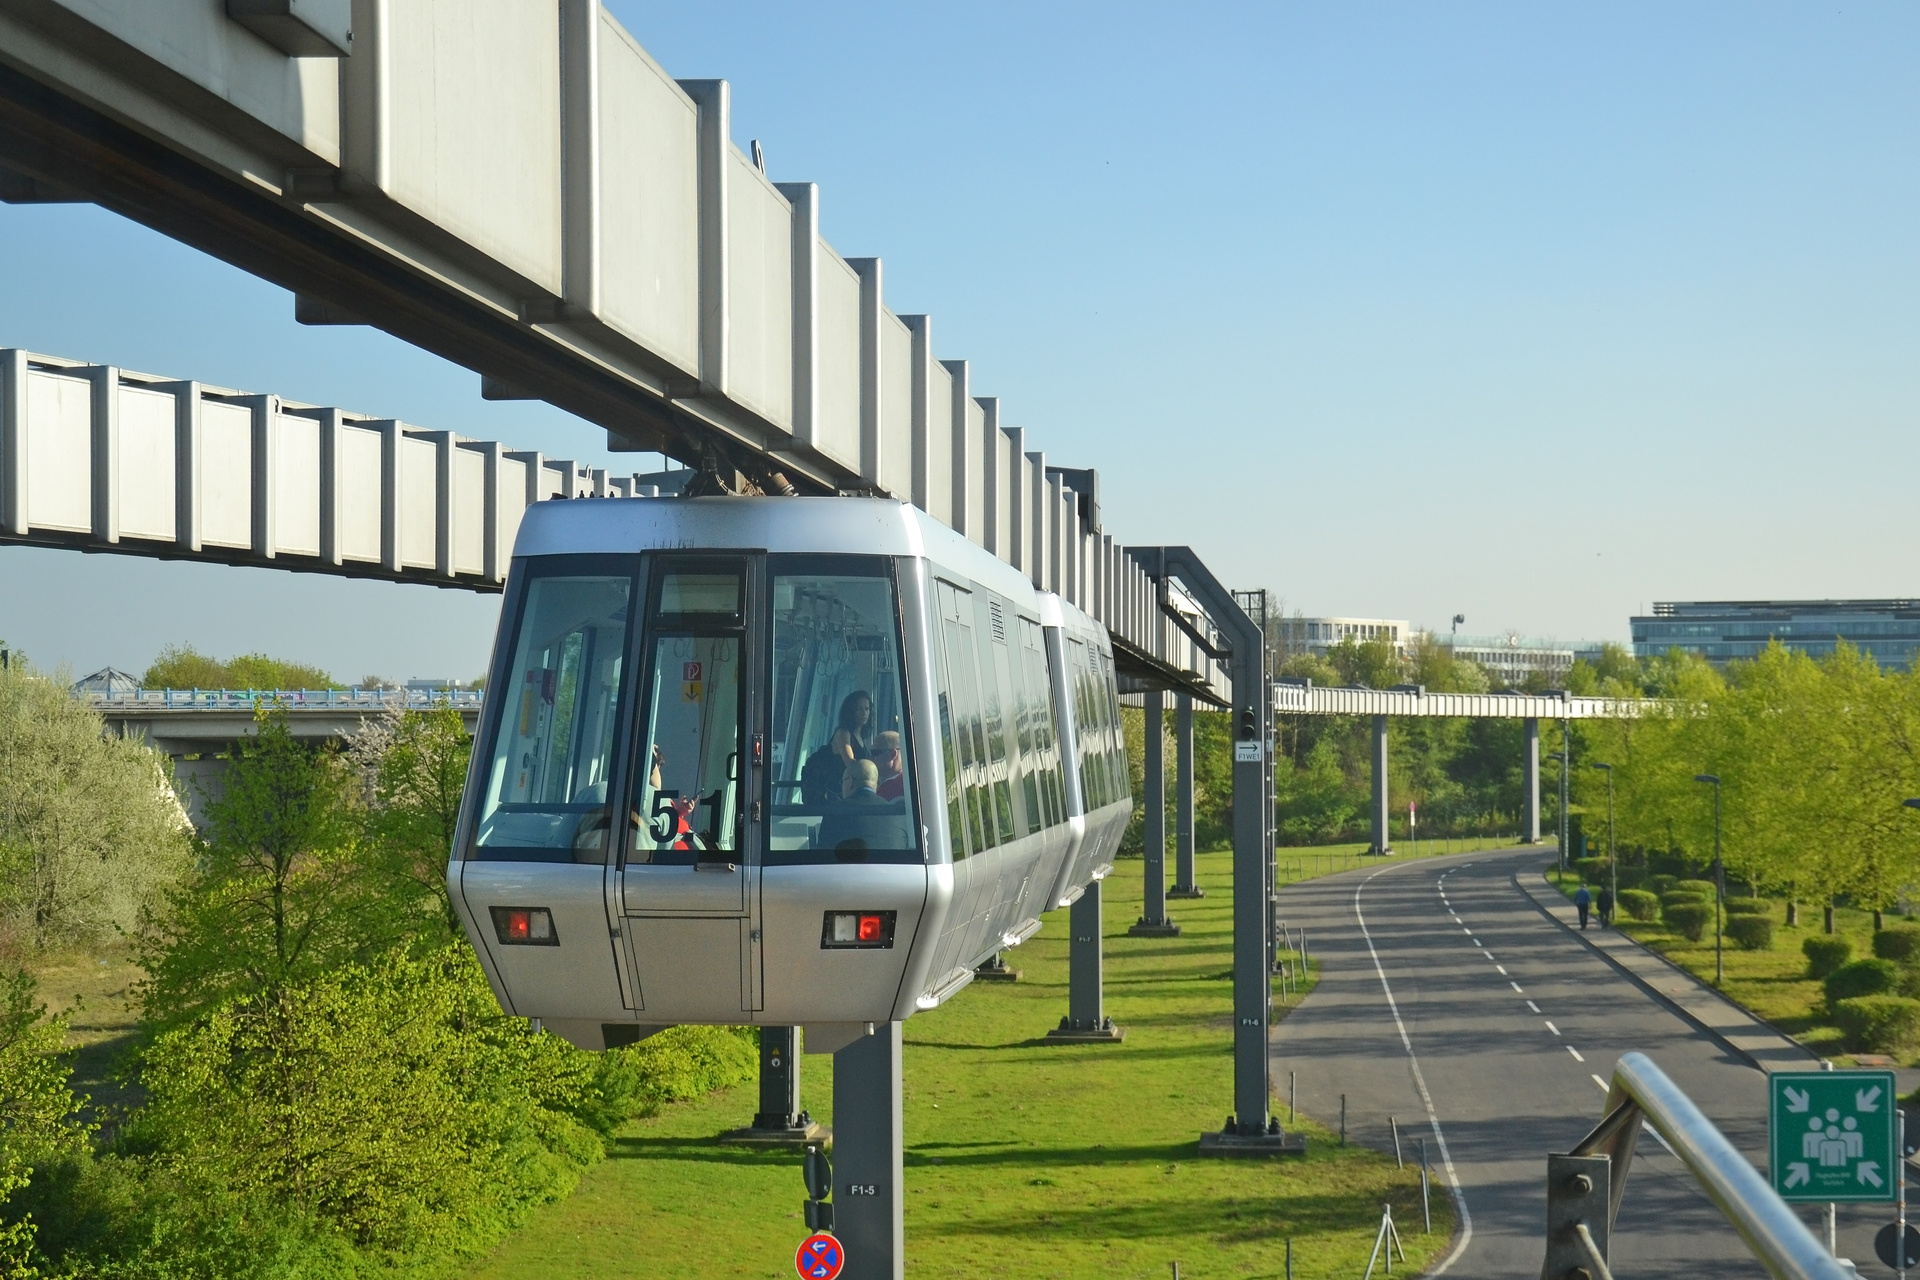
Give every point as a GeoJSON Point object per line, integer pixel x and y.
{"type": "Point", "coordinates": [1493, 1044]}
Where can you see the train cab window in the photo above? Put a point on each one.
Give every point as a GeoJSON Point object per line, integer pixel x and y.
{"type": "Point", "coordinates": [840, 754]}
{"type": "Point", "coordinates": [548, 766]}
{"type": "Point", "coordinates": [687, 784]}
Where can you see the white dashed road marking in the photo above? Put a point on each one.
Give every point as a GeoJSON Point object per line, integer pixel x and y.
{"type": "Point", "coordinates": [1576, 1054]}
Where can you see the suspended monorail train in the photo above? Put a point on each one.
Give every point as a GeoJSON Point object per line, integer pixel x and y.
{"type": "Point", "coordinates": [790, 761]}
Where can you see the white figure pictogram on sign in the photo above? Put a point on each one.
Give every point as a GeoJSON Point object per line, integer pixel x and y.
{"type": "Point", "coordinates": [1832, 1141]}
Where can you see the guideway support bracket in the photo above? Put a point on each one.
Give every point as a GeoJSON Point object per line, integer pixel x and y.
{"type": "Point", "coordinates": [1183, 880]}
{"type": "Point", "coordinates": [1251, 1130]}
{"type": "Point", "coordinates": [1086, 1021]}
{"type": "Point", "coordinates": [1154, 923]}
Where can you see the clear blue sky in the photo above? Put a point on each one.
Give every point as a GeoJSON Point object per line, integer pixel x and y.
{"type": "Point", "coordinates": [1536, 313]}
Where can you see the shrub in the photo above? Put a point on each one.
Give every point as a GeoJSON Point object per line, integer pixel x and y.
{"type": "Point", "coordinates": [1661, 883]}
{"type": "Point", "coordinates": [1593, 870]}
{"type": "Point", "coordinates": [1900, 943]}
{"type": "Point", "coordinates": [1698, 888]}
{"type": "Point", "coordinates": [1826, 953]}
{"type": "Point", "coordinates": [90, 829]}
{"type": "Point", "coordinates": [1862, 978]}
{"type": "Point", "coordinates": [1751, 932]}
{"type": "Point", "coordinates": [1639, 904]}
{"type": "Point", "coordinates": [1673, 898]}
{"type": "Point", "coordinates": [393, 1106]}
{"type": "Point", "coordinates": [1749, 907]}
{"type": "Point", "coordinates": [1879, 1024]}
{"type": "Point", "coordinates": [1690, 919]}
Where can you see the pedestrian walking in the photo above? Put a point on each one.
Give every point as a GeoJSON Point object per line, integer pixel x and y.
{"type": "Point", "coordinates": [1603, 903]}
{"type": "Point", "coordinates": [1584, 902]}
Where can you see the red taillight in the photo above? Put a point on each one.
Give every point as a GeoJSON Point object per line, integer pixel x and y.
{"type": "Point", "coordinates": [525, 926]}
{"type": "Point", "coordinates": [871, 929]}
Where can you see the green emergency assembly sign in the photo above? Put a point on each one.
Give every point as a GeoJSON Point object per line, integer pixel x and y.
{"type": "Point", "coordinates": [1832, 1135]}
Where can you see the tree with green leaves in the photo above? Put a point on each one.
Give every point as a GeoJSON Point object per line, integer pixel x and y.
{"type": "Point", "coordinates": [415, 765]}
{"type": "Point", "coordinates": [281, 891]}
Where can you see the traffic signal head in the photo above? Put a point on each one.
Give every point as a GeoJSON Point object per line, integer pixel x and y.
{"type": "Point", "coordinates": [1249, 725]}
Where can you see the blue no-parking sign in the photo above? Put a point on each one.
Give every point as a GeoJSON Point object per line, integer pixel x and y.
{"type": "Point", "coordinates": [820, 1257]}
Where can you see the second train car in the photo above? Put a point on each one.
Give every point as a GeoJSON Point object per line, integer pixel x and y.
{"type": "Point", "coordinates": [774, 760]}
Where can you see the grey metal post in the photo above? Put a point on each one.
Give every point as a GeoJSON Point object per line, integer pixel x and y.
{"type": "Point", "coordinates": [1531, 835]}
{"type": "Point", "coordinates": [1184, 884]}
{"type": "Point", "coordinates": [1086, 1017]}
{"type": "Point", "coordinates": [867, 1156]}
{"type": "Point", "coordinates": [1380, 844]}
{"type": "Point", "coordinates": [1154, 923]}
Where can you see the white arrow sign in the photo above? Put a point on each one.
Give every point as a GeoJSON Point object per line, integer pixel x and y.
{"type": "Point", "coordinates": [1796, 1099]}
{"type": "Point", "coordinates": [1868, 1172]}
{"type": "Point", "coordinates": [1797, 1174]}
{"type": "Point", "coordinates": [1866, 1099]}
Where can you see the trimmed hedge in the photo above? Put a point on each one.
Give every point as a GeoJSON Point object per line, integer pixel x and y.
{"type": "Point", "coordinates": [1680, 898]}
{"type": "Point", "coordinates": [1862, 978]}
{"type": "Point", "coordinates": [1879, 1024]}
{"type": "Point", "coordinates": [1690, 919]}
{"type": "Point", "coordinates": [1826, 953]}
{"type": "Point", "coordinates": [1593, 870]}
{"type": "Point", "coordinates": [1661, 883]}
{"type": "Point", "coordinates": [1639, 904]}
{"type": "Point", "coordinates": [1749, 907]}
{"type": "Point", "coordinates": [1751, 932]}
{"type": "Point", "coordinates": [1900, 943]}
{"type": "Point", "coordinates": [1699, 888]}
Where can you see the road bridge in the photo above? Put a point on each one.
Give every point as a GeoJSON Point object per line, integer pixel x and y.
{"type": "Point", "coordinates": [1304, 698]}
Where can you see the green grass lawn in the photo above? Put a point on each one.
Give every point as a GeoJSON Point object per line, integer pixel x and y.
{"type": "Point", "coordinates": [1307, 862]}
{"type": "Point", "coordinates": [1772, 984]}
{"type": "Point", "coordinates": [1022, 1159]}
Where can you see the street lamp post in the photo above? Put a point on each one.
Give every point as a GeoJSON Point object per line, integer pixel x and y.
{"type": "Point", "coordinates": [1719, 878]}
{"type": "Point", "coordinates": [1613, 866]}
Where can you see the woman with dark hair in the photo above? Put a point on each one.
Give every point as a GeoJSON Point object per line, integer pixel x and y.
{"type": "Point", "coordinates": [826, 768]}
{"type": "Point", "coordinates": [855, 734]}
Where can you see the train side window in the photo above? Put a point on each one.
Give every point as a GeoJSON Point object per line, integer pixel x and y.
{"type": "Point", "coordinates": [991, 652]}
{"type": "Point", "coordinates": [1046, 739]}
{"type": "Point", "coordinates": [546, 796]}
{"type": "Point", "coordinates": [961, 690]}
{"type": "Point", "coordinates": [840, 754]}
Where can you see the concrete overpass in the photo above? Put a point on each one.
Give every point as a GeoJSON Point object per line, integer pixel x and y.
{"type": "Point", "coordinates": [1304, 698]}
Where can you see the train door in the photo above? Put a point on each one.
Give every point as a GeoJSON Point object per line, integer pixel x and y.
{"type": "Point", "coordinates": [689, 890]}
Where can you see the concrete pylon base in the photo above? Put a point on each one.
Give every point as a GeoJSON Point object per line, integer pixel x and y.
{"type": "Point", "coordinates": [1144, 928]}
{"type": "Point", "coordinates": [996, 973]}
{"type": "Point", "coordinates": [1221, 1145]}
{"type": "Point", "coordinates": [1380, 853]}
{"type": "Point", "coordinates": [813, 1133]}
{"type": "Point", "coordinates": [1186, 891]}
{"type": "Point", "coordinates": [1105, 1033]}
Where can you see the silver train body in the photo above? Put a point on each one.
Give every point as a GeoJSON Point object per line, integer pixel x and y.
{"type": "Point", "coordinates": [792, 761]}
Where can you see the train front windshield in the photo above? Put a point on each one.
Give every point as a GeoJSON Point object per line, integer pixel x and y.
{"type": "Point", "coordinates": [839, 750]}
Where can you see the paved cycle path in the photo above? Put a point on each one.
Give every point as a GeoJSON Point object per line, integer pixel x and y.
{"type": "Point", "coordinates": [1443, 985]}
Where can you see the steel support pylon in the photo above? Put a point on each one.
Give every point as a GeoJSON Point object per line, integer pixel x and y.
{"type": "Point", "coordinates": [1531, 834]}
{"type": "Point", "coordinates": [1381, 844]}
{"type": "Point", "coordinates": [868, 1204]}
{"type": "Point", "coordinates": [1086, 1018]}
{"type": "Point", "coordinates": [1184, 884]}
{"type": "Point", "coordinates": [1153, 923]}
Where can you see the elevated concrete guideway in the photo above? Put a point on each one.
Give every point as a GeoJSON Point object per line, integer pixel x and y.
{"type": "Point", "coordinates": [1304, 698]}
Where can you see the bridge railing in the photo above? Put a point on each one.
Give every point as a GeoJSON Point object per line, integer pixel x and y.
{"type": "Point", "coordinates": [1584, 1187]}
{"type": "Point", "coordinates": [292, 699]}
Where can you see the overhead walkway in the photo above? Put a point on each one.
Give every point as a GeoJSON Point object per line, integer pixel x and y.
{"type": "Point", "coordinates": [1304, 698]}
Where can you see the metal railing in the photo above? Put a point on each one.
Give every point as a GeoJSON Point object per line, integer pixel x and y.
{"type": "Point", "coordinates": [293, 699]}
{"type": "Point", "coordinates": [1584, 1186]}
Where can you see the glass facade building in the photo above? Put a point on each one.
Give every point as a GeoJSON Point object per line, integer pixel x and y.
{"type": "Point", "coordinates": [1730, 630]}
